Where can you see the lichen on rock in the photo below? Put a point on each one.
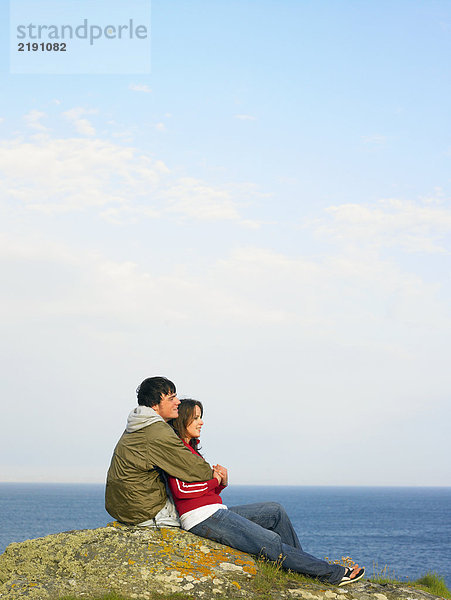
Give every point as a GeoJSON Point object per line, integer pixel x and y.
{"type": "Point", "coordinates": [129, 560]}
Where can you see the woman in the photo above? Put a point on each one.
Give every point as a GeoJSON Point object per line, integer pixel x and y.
{"type": "Point", "coordinates": [260, 529]}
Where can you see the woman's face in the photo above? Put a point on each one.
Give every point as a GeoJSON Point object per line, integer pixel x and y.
{"type": "Point", "coordinates": [193, 428]}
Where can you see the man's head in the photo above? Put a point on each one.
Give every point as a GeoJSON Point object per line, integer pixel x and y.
{"type": "Point", "coordinates": [160, 394]}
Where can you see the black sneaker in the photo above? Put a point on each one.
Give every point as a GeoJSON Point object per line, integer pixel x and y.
{"type": "Point", "coordinates": [351, 576]}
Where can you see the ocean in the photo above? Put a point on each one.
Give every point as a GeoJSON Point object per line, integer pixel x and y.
{"type": "Point", "coordinates": [407, 530]}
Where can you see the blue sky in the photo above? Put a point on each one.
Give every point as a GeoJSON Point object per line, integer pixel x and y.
{"type": "Point", "coordinates": [264, 218]}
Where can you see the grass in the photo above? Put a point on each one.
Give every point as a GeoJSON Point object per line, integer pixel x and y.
{"type": "Point", "coordinates": [271, 576]}
{"type": "Point", "coordinates": [433, 583]}
{"type": "Point", "coordinates": [384, 575]}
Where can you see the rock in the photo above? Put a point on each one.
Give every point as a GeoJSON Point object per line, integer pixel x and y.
{"type": "Point", "coordinates": [136, 562]}
{"type": "Point", "coordinates": [133, 561]}
{"type": "Point", "coordinates": [362, 590]}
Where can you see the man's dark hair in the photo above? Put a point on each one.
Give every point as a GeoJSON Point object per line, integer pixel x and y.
{"type": "Point", "coordinates": [150, 390]}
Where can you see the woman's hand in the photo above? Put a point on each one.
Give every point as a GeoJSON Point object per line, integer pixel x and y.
{"type": "Point", "coordinates": [222, 472]}
{"type": "Point", "coordinates": [217, 475]}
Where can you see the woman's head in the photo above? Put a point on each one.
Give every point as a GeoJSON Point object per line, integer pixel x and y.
{"type": "Point", "coordinates": [189, 422]}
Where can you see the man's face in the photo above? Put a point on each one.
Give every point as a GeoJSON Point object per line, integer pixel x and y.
{"type": "Point", "coordinates": [168, 407]}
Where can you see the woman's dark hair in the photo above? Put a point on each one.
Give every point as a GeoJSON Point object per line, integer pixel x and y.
{"type": "Point", "coordinates": [150, 390]}
{"type": "Point", "coordinates": [187, 409]}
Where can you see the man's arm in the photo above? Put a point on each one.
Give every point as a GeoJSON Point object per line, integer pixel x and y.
{"type": "Point", "coordinates": [167, 451]}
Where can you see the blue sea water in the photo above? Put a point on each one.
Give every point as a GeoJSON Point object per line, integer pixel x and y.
{"type": "Point", "coordinates": [407, 529]}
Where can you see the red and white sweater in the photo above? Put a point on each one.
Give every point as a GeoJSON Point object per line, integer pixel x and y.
{"type": "Point", "coordinates": [197, 501]}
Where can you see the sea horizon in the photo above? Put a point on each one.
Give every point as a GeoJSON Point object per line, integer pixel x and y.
{"type": "Point", "coordinates": [319, 485]}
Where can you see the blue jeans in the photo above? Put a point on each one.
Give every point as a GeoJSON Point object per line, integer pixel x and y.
{"type": "Point", "coordinates": [264, 528]}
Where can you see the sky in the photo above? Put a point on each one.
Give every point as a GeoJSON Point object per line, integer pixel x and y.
{"type": "Point", "coordinates": [264, 218]}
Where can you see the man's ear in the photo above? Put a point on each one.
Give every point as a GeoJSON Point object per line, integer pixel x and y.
{"type": "Point", "coordinates": [156, 408]}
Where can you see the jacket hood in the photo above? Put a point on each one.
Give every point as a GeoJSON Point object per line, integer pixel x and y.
{"type": "Point", "coordinates": [140, 417]}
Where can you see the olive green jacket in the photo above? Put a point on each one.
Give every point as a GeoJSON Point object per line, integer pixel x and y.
{"type": "Point", "coordinates": [135, 491]}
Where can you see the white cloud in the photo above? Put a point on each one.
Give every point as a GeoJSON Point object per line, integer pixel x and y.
{"type": "Point", "coordinates": [63, 175]}
{"type": "Point", "coordinates": [100, 287]}
{"type": "Point", "coordinates": [420, 226]}
{"type": "Point", "coordinates": [140, 88]}
{"type": "Point", "coordinates": [375, 139]}
{"type": "Point", "coordinates": [83, 126]}
{"type": "Point", "coordinates": [33, 119]}
{"type": "Point", "coordinates": [349, 298]}
{"type": "Point", "coordinates": [160, 127]}
{"type": "Point", "coordinates": [75, 113]}
{"type": "Point", "coordinates": [437, 197]}
{"type": "Point", "coordinates": [129, 215]}
{"type": "Point", "coordinates": [245, 117]}
{"type": "Point", "coordinates": [195, 198]}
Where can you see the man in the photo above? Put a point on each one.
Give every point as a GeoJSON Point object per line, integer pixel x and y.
{"type": "Point", "coordinates": [135, 491]}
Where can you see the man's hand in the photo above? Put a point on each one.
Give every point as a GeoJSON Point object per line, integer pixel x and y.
{"type": "Point", "coordinates": [222, 472]}
{"type": "Point", "coordinates": [217, 475]}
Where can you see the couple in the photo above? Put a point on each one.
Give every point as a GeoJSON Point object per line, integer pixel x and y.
{"type": "Point", "coordinates": [136, 489]}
